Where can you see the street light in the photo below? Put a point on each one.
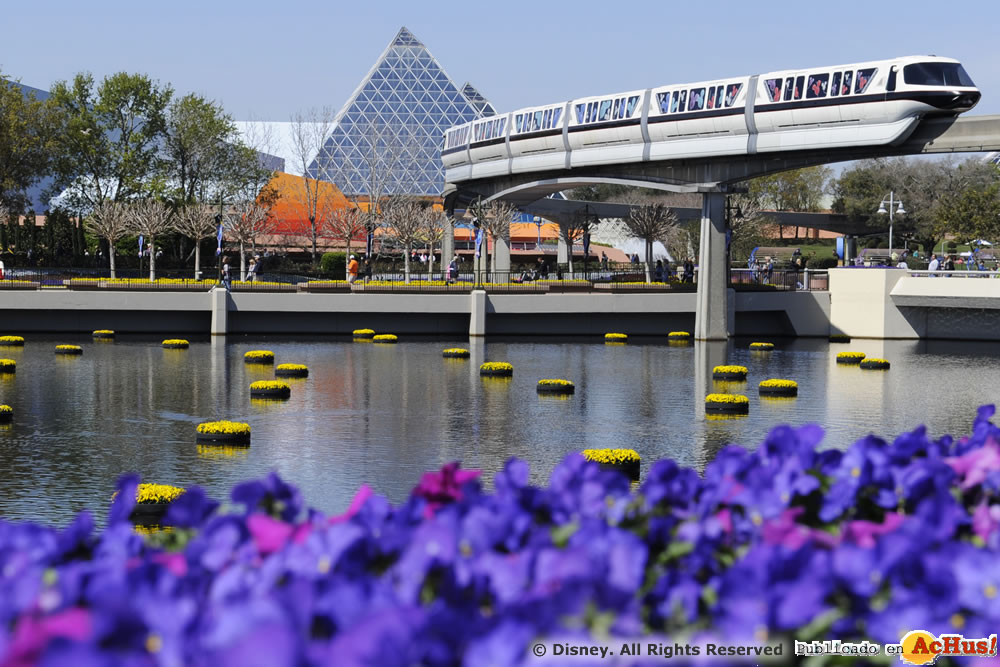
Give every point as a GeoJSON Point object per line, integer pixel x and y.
{"type": "Point", "coordinates": [538, 223]}
{"type": "Point", "coordinates": [895, 205]}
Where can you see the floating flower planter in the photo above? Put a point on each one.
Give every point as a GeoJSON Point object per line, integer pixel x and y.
{"type": "Point", "coordinates": [6, 414]}
{"type": "Point", "coordinates": [291, 371]}
{"type": "Point", "coordinates": [874, 364]}
{"type": "Point", "coordinates": [762, 347]}
{"type": "Point", "coordinates": [776, 387]}
{"type": "Point", "coordinates": [11, 341]}
{"type": "Point", "coordinates": [625, 461]}
{"type": "Point", "coordinates": [679, 335]}
{"type": "Point", "coordinates": [615, 338]}
{"type": "Point", "coordinates": [363, 334]}
{"type": "Point", "coordinates": [850, 358]}
{"type": "Point", "coordinates": [175, 344]}
{"type": "Point", "coordinates": [69, 350]}
{"type": "Point", "coordinates": [7, 366]}
{"type": "Point", "coordinates": [103, 334]}
{"type": "Point", "coordinates": [560, 387]}
{"type": "Point", "coordinates": [727, 404]}
{"type": "Point", "coordinates": [223, 433]}
{"type": "Point", "coordinates": [385, 338]}
{"type": "Point", "coordinates": [272, 389]}
{"type": "Point", "coordinates": [729, 373]}
{"type": "Point", "coordinates": [152, 502]}
{"type": "Point", "coordinates": [455, 353]}
{"type": "Point", "coordinates": [496, 369]}
{"type": "Point", "coordinates": [839, 338]}
{"type": "Point", "coordinates": [259, 357]}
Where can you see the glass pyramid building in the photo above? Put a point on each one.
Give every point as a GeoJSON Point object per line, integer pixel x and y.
{"type": "Point", "coordinates": [391, 129]}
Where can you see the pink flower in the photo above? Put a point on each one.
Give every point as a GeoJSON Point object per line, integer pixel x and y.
{"type": "Point", "coordinates": [785, 531]}
{"type": "Point", "coordinates": [985, 520]}
{"type": "Point", "coordinates": [174, 562]}
{"type": "Point", "coordinates": [33, 633]}
{"type": "Point", "coordinates": [974, 466]}
{"type": "Point", "coordinates": [360, 498]}
{"type": "Point", "coordinates": [443, 487]}
{"type": "Point", "coordinates": [863, 533]}
{"type": "Point", "coordinates": [268, 534]}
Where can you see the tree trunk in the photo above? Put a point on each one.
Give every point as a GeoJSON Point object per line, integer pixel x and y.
{"type": "Point", "coordinates": [152, 258]}
{"type": "Point", "coordinates": [312, 226]}
{"type": "Point", "coordinates": [347, 261]}
{"type": "Point", "coordinates": [243, 263]}
{"type": "Point", "coordinates": [430, 262]}
{"type": "Point", "coordinates": [197, 259]}
{"type": "Point", "coordinates": [649, 260]}
{"type": "Point", "coordinates": [406, 264]}
{"type": "Point", "coordinates": [111, 257]}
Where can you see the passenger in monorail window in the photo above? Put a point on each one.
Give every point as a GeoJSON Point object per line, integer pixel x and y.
{"type": "Point", "coordinates": [556, 115]}
{"type": "Point", "coordinates": [846, 88]}
{"type": "Point", "coordinates": [835, 87]}
{"type": "Point", "coordinates": [683, 103]}
{"type": "Point", "coordinates": [673, 102]}
{"type": "Point", "coordinates": [605, 110]}
{"type": "Point", "coordinates": [616, 114]}
{"type": "Point", "coordinates": [864, 78]}
{"type": "Point", "coordinates": [663, 99]}
{"type": "Point", "coordinates": [798, 87]}
{"type": "Point", "coordinates": [774, 89]}
{"type": "Point", "coordinates": [734, 90]}
{"type": "Point", "coordinates": [697, 99]}
{"type": "Point", "coordinates": [632, 101]}
{"type": "Point", "coordinates": [711, 98]}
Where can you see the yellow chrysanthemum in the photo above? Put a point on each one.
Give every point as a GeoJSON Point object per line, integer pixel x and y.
{"type": "Point", "coordinates": [6, 408]}
{"type": "Point", "coordinates": [496, 366]}
{"type": "Point", "coordinates": [730, 369]}
{"type": "Point", "coordinates": [615, 336]}
{"type": "Point", "coordinates": [364, 332]}
{"type": "Point", "coordinates": [104, 332]}
{"type": "Point", "coordinates": [7, 365]}
{"type": "Point", "coordinates": [174, 341]}
{"type": "Point", "coordinates": [679, 334]}
{"type": "Point", "coordinates": [455, 352]}
{"type": "Point", "coordinates": [11, 340]}
{"type": "Point", "coordinates": [778, 384]}
{"type": "Point", "coordinates": [726, 398]}
{"type": "Point", "coordinates": [259, 355]}
{"type": "Point", "coordinates": [291, 367]}
{"type": "Point", "coordinates": [264, 385]}
{"type": "Point", "coordinates": [68, 347]}
{"type": "Point", "coordinates": [761, 346]}
{"type": "Point", "coordinates": [611, 455]}
{"type": "Point", "coordinates": [876, 360]}
{"type": "Point", "coordinates": [850, 355]}
{"type": "Point", "coordinates": [157, 493]}
{"type": "Point", "coordinates": [227, 427]}
{"type": "Point", "coordinates": [555, 383]}
{"type": "Point", "coordinates": [385, 338]}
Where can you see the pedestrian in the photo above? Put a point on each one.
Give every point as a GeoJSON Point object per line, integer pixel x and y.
{"type": "Point", "coordinates": [366, 269]}
{"type": "Point", "coordinates": [453, 269]}
{"type": "Point", "coordinates": [226, 281]}
{"type": "Point", "coordinates": [543, 270]}
{"type": "Point", "coordinates": [252, 271]}
{"type": "Point", "coordinates": [933, 266]}
{"type": "Point", "coordinates": [352, 270]}
{"type": "Point", "coordinates": [604, 261]}
{"type": "Point", "coordinates": [688, 271]}
{"type": "Point", "coordinates": [1, 269]}
{"type": "Point", "coordinates": [658, 275]}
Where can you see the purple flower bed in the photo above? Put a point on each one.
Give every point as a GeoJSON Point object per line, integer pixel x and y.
{"type": "Point", "coordinates": [786, 542]}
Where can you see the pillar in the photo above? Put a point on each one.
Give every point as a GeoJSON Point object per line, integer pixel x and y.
{"type": "Point", "coordinates": [477, 314]}
{"type": "Point", "coordinates": [220, 310]}
{"type": "Point", "coordinates": [712, 315]}
{"type": "Point", "coordinates": [447, 242]}
{"type": "Point", "coordinates": [501, 258]}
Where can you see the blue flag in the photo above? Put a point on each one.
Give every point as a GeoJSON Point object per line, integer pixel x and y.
{"type": "Point", "coordinates": [218, 249]}
{"type": "Point", "coordinates": [480, 235]}
{"type": "Point", "coordinates": [140, 244]}
{"type": "Point", "coordinates": [586, 243]}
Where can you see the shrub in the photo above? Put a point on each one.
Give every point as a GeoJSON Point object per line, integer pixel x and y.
{"type": "Point", "coordinates": [822, 262]}
{"type": "Point", "coordinates": [334, 264]}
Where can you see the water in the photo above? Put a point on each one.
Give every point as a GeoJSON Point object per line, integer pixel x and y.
{"type": "Point", "coordinates": [384, 414]}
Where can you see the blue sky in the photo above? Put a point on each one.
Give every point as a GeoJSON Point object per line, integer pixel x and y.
{"type": "Point", "coordinates": [267, 60]}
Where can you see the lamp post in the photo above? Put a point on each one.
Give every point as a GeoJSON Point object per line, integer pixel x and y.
{"type": "Point", "coordinates": [895, 206]}
{"type": "Point", "coordinates": [538, 223]}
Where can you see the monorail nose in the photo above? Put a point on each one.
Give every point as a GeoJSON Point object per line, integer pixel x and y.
{"type": "Point", "coordinates": [958, 101]}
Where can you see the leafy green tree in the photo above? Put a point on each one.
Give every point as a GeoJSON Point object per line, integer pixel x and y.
{"type": "Point", "coordinates": [971, 213]}
{"type": "Point", "coordinates": [198, 139]}
{"type": "Point", "coordinates": [110, 144]}
{"type": "Point", "coordinates": [27, 135]}
{"type": "Point", "coordinates": [796, 190]}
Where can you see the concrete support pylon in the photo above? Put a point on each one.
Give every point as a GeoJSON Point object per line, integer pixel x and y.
{"type": "Point", "coordinates": [447, 242]}
{"type": "Point", "coordinates": [501, 258]}
{"type": "Point", "coordinates": [712, 318]}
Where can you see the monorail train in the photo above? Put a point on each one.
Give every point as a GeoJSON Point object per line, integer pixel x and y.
{"type": "Point", "coordinates": [872, 103]}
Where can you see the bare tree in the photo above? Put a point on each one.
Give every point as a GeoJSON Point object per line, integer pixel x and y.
{"type": "Point", "coordinates": [404, 217]}
{"type": "Point", "coordinates": [245, 222]}
{"type": "Point", "coordinates": [345, 224]}
{"type": "Point", "coordinates": [197, 222]}
{"type": "Point", "coordinates": [572, 229]}
{"type": "Point", "coordinates": [109, 220]}
{"type": "Point", "coordinates": [309, 134]}
{"type": "Point", "coordinates": [497, 223]}
{"type": "Point", "coordinates": [650, 222]}
{"type": "Point", "coordinates": [149, 217]}
{"type": "Point", "coordinates": [433, 233]}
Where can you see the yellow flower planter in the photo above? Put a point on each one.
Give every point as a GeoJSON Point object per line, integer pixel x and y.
{"type": "Point", "coordinates": [551, 386]}
{"type": "Point", "coordinates": [625, 461]}
{"type": "Point", "coordinates": [175, 344]}
{"type": "Point", "coordinates": [259, 357]}
{"type": "Point", "coordinates": [615, 338]}
{"type": "Point", "coordinates": [69, 350]}
{"type": "Point", "coordinates": [729, 373]}
{"type": "Point", "coordinates": [291, 371]}
{"type": "Point", "coordinates": [103, 334]}
{"type": "Point", "coordinates": [6, 414]}
{"type": "Point", "coordinates": [455, 353]}
{"type": "Point", "coordinates": [778, 387]}
{"type": "Point", "coordinates": [363, 334]}
{"type": "Point", "coordinates": [385, 338]}
{"type": "Point", "coordinates": [497, 369]}
{"type": "Point", "coordinates": [679, 335]}
{"type": "Point", "coordinates": [11, 341]}
{"type": "Point", "coordinates": [8, 366]}
{"type": "Point", "coordinates": [727, 404]}
{"type": "Point", "coordinates": [272, 389]}
{"type": "Point", "coordinates": [762, 347]}
{"type": "Point", "coordinates": [223, 433]}
{"type": "Point", "coordinates": [850, 358]}
{"type": "Point", "coordinates": [875, 364]}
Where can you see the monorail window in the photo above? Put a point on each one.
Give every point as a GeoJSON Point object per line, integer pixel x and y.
{"type": "Point", "coordinates": [710, 104]}
{"type": "Point", "coordinates": [556, 115]}
{"type": "Point", "coordinates": [817, 85]}
{"type": "Point", "coordinates": [732, 93]}
{"type": "Point", "coordinates": [864, 78]}
{"type": "Point", "coordinates": [835, 88]}
{"type": "Point", "coordinates": [616, 112]}
{"type": "Point", "coordinates": [663, 99]}
{"type": "Point", "coordinates": [536, 121]}
{"type": "Point", "coordinates": [519, 121]}
{"type": "Point", "coordinates": [799, 82]}
{"type": "Point", "coordinates": [697, 99]}
{"type": "Point", "coordinates": [773, 89]}
{"type": "Point", "coordinates": [547, 119]}
{"type": "Point", "coordinates": [788, 88]}
{"type": "Point", "coordinates": [605, 110]}
{"type": "Point", "coordinates": [845, 89]}
{"type": "Point", "coordinates": [580, 111]}
{"type": "Point", "coordinates": [683, 103]}
{"type": "Point", "coordinates": [673, 102]}
{"type": "Point", "coordinates": [937, 74]}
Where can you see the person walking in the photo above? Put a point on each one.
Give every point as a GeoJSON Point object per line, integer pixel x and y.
{"type": "Point", "coordinates": [226, 279]}
{"type": "Point", "coordinates": [252, 270]}
{"type": "Point", "coordinates": [352, 270]}
{"type": "Point", "coordinates": [688, 271]}
{"type": "Point", "coordinates": [453, 269]}
{"type": "Point", "coordinates": [933, 266]}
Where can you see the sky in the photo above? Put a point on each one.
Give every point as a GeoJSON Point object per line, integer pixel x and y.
{"type": "Point", "coordinates": [269, 60]}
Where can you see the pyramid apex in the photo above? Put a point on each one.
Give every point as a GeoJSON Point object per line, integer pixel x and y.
{"type": "Point", "coordinates": [405, 38]}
